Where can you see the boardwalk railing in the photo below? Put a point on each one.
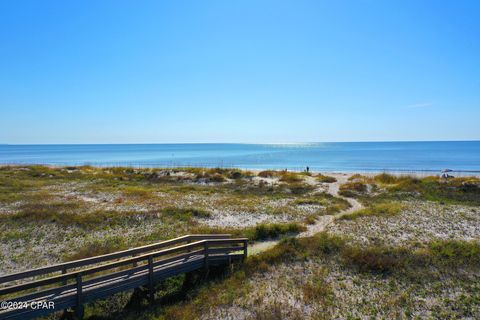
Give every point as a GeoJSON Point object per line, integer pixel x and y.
{"type": "Point", "coordinates": [41, 291]}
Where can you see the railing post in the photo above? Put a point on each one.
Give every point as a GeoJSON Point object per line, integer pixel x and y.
{"type": "Point", "coordinates": [151, 292]}
{"type": "Point", "coordinates": [245, 249]}
{"type": "Point", "coordinates": [79, 307]}
{"type": "Point", "coordinates": [135, 263]}
{"type": "Point", "coordinates": [64, 270]}
{"type": "Point", "coordinates": [206, 254]}
{"type": "Point", "coordinates": [188, 242]}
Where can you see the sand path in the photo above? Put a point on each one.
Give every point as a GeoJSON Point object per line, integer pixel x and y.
{"type": "Point", "coordinates": [322, 221]}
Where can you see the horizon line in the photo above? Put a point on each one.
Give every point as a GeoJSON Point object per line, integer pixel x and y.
{"type": "Point", "coordinates": [246, 143]}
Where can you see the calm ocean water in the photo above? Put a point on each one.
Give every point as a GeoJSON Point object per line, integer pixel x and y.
{"type": "Point", "coordinates": [347, 157]}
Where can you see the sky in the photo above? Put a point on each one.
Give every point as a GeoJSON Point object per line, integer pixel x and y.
{"type": "Point", "coordinates": [238, 71]}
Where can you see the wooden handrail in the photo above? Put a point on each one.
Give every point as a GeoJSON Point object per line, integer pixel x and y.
{"type": "Point", "coordinates": [62, 267]}
{"type": "Point", "coordinates": [156, 254]}
{"type": "Point", "coordinates": [209, 250]}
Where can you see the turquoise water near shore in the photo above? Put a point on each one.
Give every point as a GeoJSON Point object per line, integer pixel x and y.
{"type": "Point", "coordinates": [335, 156]}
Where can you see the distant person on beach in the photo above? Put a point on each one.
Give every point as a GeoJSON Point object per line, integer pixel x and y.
{"type": "Point", "coordinates": [308, 169]}
{"type": "Point", "coordinates": [445, 174]}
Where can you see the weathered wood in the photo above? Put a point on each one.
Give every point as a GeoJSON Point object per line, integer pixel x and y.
{"type": "Point", "coordinates": [79, 302]}
{"type": "Point", "coordinates": [106, 257]}
{"type": "Point", "coordinates": [120, 275]}
{"type": "Point", "coordinates": [245, 249]}
{"type": "Point", "coordinates": [151, 292]}
{"type": "Point", "coordinates": [206, 256]}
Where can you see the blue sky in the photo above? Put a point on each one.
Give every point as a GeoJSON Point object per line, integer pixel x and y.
{"type": "Point", "coordinates": [238, 71]}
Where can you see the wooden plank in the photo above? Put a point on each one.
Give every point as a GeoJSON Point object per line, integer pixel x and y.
{"type": "Point", "coordinates": [216, 250]}
{"type": "Point", "coordinates": [72, 275]}
{"type": "Point", "coordinates": [224, 250]}
{"type": "Point", "coordinates": [105, 257]}
{"type": "Point", "coordinates": [79, 302]}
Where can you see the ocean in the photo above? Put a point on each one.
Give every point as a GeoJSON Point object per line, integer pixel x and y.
{"type": "Point", "coordinates": [460, 156]}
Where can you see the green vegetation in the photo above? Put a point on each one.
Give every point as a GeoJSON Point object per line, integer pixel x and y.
{"type": "Point", "coordinates": [353, 189]}
{"type": "Point", "coordinates": [101, 210]}
{"type": "Point", "coordinates": [273, 230]}
{"type": "Point", "coordinates": [394, 263]}
{"type": "Point", "coordinates": [269, 174]}
{"type": "Point", "coordinates": [185, 214]}
{"type": "Point", "coordinates": [378, 209]}
{"type": "Point", "coordinates": [262, 231]}
{"type": "Point", "coordinates": [464, 190]}
{"type": "Point", "coordinates": [98, 247]}
{"type": "Point", "coordinates": [325, 179]}
{"type": "Point", "coordinates": [290, 177]}
{"type": "Point", "coordinates": [455, 252]}
{"type": "Point", "coordinates": [330, 203]}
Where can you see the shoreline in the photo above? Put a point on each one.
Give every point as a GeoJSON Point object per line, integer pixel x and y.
{"type": "Point", "coordinates": [396, 172]}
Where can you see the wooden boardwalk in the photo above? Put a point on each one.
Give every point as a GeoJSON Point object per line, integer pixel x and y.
{"type": "Point", "coordinates": [41, 291]}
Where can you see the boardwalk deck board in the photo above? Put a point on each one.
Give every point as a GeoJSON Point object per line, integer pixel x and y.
{"type": "Point", "coordinates": [120, 271]}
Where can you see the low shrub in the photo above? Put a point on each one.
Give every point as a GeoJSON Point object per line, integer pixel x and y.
{"type": "Point", "coordinates": [137, 192]}
{"type": "Point", "coordinates": [186, 214]}
{"type": "Point", "coordinates": [325, 179]}
{"type": "Point", "coordinates": [310, 219]}
{"type": "Point", "coordinates": [380, 209]}
{"type": "Point", "coordinates": [235, 174]}
{"type": "Point", "coordinates": [385, 178]}
{"type": "Point", "coordinates": [353, 189]}
{"type": "Point", "coordinates": [98, 247]}
{"type": "Point", "coordinates": [300, 188]}
{"type": "Point", "coordinates": [290, 177]}
{"type": "Point", "coordinates": [455, 251]}
{"type": "Point", "coordinates": [372, 259]}
{"type": "Point", "coordinates": [273, 230]}
{"type": "Point", "coordinates": [268, 174]}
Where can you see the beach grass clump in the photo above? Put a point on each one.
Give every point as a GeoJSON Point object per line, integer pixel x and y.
{"type": "Point", "coordinates": [310, 219]}
{"type": "Point", "coordinates": [265, 231]}
{"type": "Point", "coordinates": [138, 192]}
{"type": "Point", "coordinates": [353, 189]}
{"type": "Point", "coordinates": [72, 214]}
{"type": "Point", "coordinates": [358, 177]}
{"type": "Point", "coordinates": [291, 177]}
{"type": "Point", "coordinates": [319, 201]}
{"type": "Point", "coordinates": [325, 179]}
{"type": "Point", "coordinates": [330, 203]}
{"type": "Point", "coordinates": [97, 247]}
{"type": "Point", "coordinates": [300, 188]}
{"type": "Point", "coordinates": [373, 259]}
{"type": "Point", "coordinates": [317, 290]}
{"type": "Point", "coordinates": [185, 214]}
{"type": "Point", "coordinates": [408, 266]}
{"type": "Point", "coordinates": [269, 174]}
{"type": "Point", "coordinates": [377, 209]}
{"type": "Point", "coordinates": [236, 174]}
{"type": "Point", "coordinates": [413, 261]}
{"type": "Point", "coordinates": [464, 190]}
{"type": "Point", "coordinates": [49, 211]}
{"type": "Point", "coordinates": [385, 178]}
{"type": "Point", "coordinates": [262, 231]}
{"type": "Point", "coordinates": [455, 251]}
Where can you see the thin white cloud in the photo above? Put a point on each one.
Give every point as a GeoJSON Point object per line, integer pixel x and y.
{"type": "Point", "coordinates": [421, 105]}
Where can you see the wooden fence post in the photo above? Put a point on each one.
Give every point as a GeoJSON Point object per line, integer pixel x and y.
{"type": "Point", "coordinates": [79, 311]}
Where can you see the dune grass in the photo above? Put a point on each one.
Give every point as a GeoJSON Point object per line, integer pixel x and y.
{"type": "Point", "coordinates": [395, 263]}
{"type": "Point", "coordinates": [325, 179]}
{"type": "Point", "coordinates": [353, 189]}
{"type": "Point", "coordinates": [387, 187]}
{"type": "Point", "coordinates": [378, 209]}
